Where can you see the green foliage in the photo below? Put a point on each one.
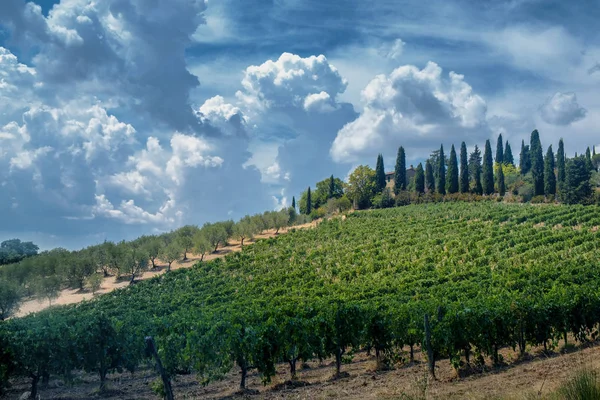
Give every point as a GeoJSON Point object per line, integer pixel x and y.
{"type": "Point", "coordinates": [500, 183]}
{"type": "Point", "coordinates": [561, 163]}
{"type": "Point", "coordinates": [185, 237]}
{"type": "Point", "coordinates": [488, 170]}
{"type": "Point", "coordinates": [452, 184]}
{"type": "Point", "coordinates": [419, 179]}
{"type": "Point", "coordinates": [525, 159]}
{"type": "Point", "coordinates": [344, 285]}
{"type": "Point", "coordinates": [173, 251]}
{"type": "Point", "coordinates": [440, 183]}
{"type": "Point", "coordinates": [464, 169]}
{"type": "Point", "coordinates": [383, 199]}
{"type": "Point", "coordinates": [584, 385]}
{"type": "Point", "coordinates": [577, 187]}
{"type": "Point", "coordinates": [537, 163]}
{"type": "Point", "coordinates": [508, 155]}
{"type": "Point", "coordinates": [94, 282]}
{"type": "Point", "coordinates": [10, 299]}
{"type": "Point", "coordinates": [379, 175]}
{"type": "Point", "coordinates": [499, 150]}
{"type": "Point", "coordinates": [429, 179]}
{"type": "Point", "coordinates": [400, 171]}
{"type": "Point", "coordinates": [475, 171]}
{"type": "Point", "coordinates": [362, 186]}
{"type": "Point", "coordinates": [14, 250]}
{"type": "Point", "coordinates": [549, 177]}
{"type": "Point", "coordinates": [216, 234]}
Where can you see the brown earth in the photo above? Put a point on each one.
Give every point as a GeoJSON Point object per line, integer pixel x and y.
{"type": "Point", "coordinates": [70, 296]}
{"type": "Point", "coordinates": [536, 377]}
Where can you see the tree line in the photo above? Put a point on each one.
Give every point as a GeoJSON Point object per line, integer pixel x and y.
{"type": "Point", "coordinates": [468, 176]}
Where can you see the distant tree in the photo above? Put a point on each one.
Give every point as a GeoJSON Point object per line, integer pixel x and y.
{"type": "Point", "coordinates": [441, 178]}
{"type": "Point", "coordinates": [133, 260]}
{"type": "Point", "coordinates": [48, 287]}
{"type": "Point", "coordinates": [14, 250]}
{"type": "Point", "coordinates": [549, 177]}
{"type": "Point", "coordinates": [329, 188]}
{"type": "Point", "coordinates": [500, 179]}
{"type": "Point", "coordinates": [537, 163]}
{"type": "Point", "coordinates": [94, 282]}
{"type": "Point", "coordinates": [419, 179]}
{"type": "Point", "coordinates": [293, 202]}
{"type": "Point", "coordinates": [525, 158]}
{"type": "Point", "coordinates": [152, 246]}
{"type": "Point", "coordinates": [488, 170]}
{"type": "Point", "coordinates": [561, 165]}
{"type": "Point", "coordinates": [452, 184]}
{"type": "Point", "coordinates": [379, 175]}
{"type": "Point", "coordinates": [308, 203]}
{"type": "Point", "coordinates": [170, 253]}
{"type": "Point", "coordinates": [244, 229]}
{"type": "Point", "coordinates": [588, 159]}
{"type": "Point", "coordinates": [280, 219]}
{"type": "Point", "coordinates": [508, 155]}
{"type": "Point", "coordinates": [332, 193]}
{"type": "Point", "coordinates": [400, 171]}
{"type": "Point", "coordinates": [216, 234]}
{"type": "Point", "coordinates": [185, 237]}
{"type": "Point", "coordinates": [464, 169]}
{"type": "Point", "coordinates": [361, 186]}
{"type": "Point", "coordinates": [10, 299]}
{"type": "Point", "coordinates": [577, 187]}
{"type": "Point", "coordinates": [499, 150]}
{"type": "Point", "coordinates": [429, 179]}
{"type": "Point", "coordinates": [202, 244]}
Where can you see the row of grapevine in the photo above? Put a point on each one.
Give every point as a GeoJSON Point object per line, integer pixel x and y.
{"type": "Point", "coordinates": [487, 276]}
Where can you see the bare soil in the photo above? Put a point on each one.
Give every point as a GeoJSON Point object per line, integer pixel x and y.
{"type": "Point", "coordinates": [536, 375]}
{"type": "Point", "coordinates": [70, 296]}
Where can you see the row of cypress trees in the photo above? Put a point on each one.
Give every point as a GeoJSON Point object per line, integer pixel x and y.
{"type": "Point", "coordinates": [480, 175]}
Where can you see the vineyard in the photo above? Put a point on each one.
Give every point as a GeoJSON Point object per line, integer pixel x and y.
{"type": "Point", "coordinates": [461, 281]}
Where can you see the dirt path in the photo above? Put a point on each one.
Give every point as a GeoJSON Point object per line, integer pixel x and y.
{"type": "Point", "coordinates": [70, 296]}
{"type": "Point", "coordinates": [535, 378]}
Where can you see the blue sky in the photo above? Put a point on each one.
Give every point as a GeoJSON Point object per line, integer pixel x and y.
{"type": "Point", "coordinates": [119, 119]}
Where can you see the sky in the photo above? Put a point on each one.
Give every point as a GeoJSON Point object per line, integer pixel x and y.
{"type": "Point", "coordinates": [127, 117]}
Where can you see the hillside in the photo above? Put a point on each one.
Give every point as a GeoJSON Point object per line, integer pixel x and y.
{"type": "Point", "coordinates": [489, 276]}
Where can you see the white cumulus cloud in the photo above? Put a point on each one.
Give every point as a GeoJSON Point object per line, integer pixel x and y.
{"type": "Point", "coordinates": [562, 109]}
{"type": "Point", "coordinates": [411, 106]}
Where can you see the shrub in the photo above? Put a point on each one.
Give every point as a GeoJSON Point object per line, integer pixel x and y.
{"type": "Point", "coordinates": [538, 200]}
{"type": "Point", "coordinates": [583, 385]}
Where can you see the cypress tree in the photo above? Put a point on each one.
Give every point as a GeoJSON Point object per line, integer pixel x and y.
{"type": "Point", "coordinates": [588, 159]}
{"type": "Point", "coordinates": [488, 170]}
{"type": "Point", "coordinates": [331, 193]}
{"type": "Point", "coordinates": [464, 169]}
{"type": "Point", "coordinates": [508, 155]}
{"type": "Point", "coordinates": [429, 180]}
{"type": "Point", "coordinates": [475, 170]}
{"type": "Point", "coordinates": [441, 182]}
{"type": "Point", "coordinates": [379, 175]}
{"type": "Point", "coordinates": [560, 162]}
{"type": "Point", "coordinates": [577, 185]}
{"type": "Point", "coordinates": [419, 179]}
{"type": "Point", "coordinates": [499, 150]}
{"type": "Point", "coordinates": [293, 202]}
{"type": "Point", "coordinates": [500, 179]}
{"type": "Point", "coordinates": [549, 177]}
{"type": "Point", "coordinates": [400, 172]}
{"type": "Point", "coordinates": [525, 159]}
{"type": "Point", "coordinates": [452, 184]}
{"type": "Point", "coordinates": [308, 202]}
{"type": "Point", "coordinates": [537, 163]}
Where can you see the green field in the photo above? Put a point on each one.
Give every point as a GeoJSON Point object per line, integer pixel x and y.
{"type": "Point", "coordinates": [488, 275]}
